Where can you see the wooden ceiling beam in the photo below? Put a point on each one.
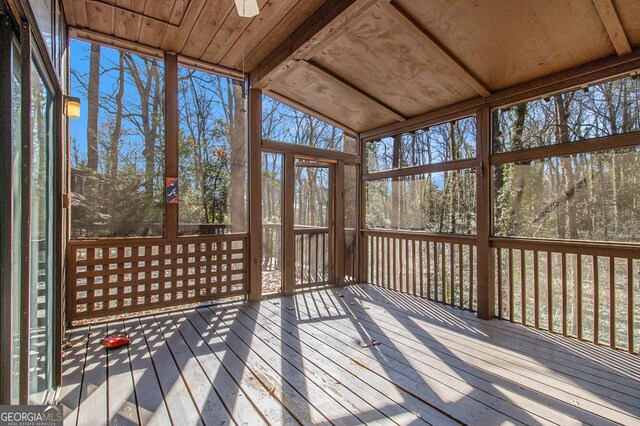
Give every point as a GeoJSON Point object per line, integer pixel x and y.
{"type": "Point", "coordinates": [612, 24]}
{"type": "Point", "coordinates": [339, 80]}
{"type": "Point", "coordinates": [322, 25]}
{"type": "Point", "coordinates": [297, 105]}
{"type": "Point", "coordinates": [407, 23]}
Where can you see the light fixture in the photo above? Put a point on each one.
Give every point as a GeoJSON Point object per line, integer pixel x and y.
{"type": "Point", "coordinates": [247, 8]}
{"type": "Point", "coordinates": [72, 106]}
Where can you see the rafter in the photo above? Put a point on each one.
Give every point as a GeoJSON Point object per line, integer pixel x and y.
{"type": "Point", "coordinates": [421, 35]}
{"type": "Point", "coordinates": [321, 26]}
{"type": "Point", "coordinates": [339, 80]}
{"type": "Point", "coordinates": [612, 24]}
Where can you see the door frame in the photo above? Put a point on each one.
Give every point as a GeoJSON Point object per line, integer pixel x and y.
{"type": "Point", "coordinates": [336, 214]}
{"type": "Point", "coordinates": [335, 220]}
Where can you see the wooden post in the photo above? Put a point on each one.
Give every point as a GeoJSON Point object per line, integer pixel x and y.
{"type": "Point", "coordinates": [486, 296]}
{"type": "Point", "coordinates": [255, 194]}
{"type": "Point", "coordinates": [6, 214]}
{"type": "Point", "coordinates": [361, 242]}
{"type": "Point", "coordinates": [339, 223]}
{"type": "Point", "coordinates": [288, 233]}
{"type": "Point", "coordinates": [171, 137]}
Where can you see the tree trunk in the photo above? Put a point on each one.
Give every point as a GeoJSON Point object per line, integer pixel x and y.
{"type": "Point", "coordinates": [567, 168]}
{"type": "Point", "coordinates": [93, 99]}
{"type": "Point", "coordinates": [520, 170]}
{"type": "Point", "coordinates": [114, 154]}
{"type": "Point", "coordinates": [238, 161]}
{"type": "Point", "coordinates": [395, 182]}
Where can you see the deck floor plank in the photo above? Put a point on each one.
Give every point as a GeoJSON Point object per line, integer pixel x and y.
{"type": "Point", "coordinates": [336, 385]}
{"type": "Point", "coordinates": [122, 399]}
{"type": "Point", "coordinates": [94, 400]}
{"type": "Point", "coordinates": [450, 364]}
{"type": "Point", "coordinates": [152, 409]}
{"type": "Point", "coordinates": [179, 402]}
{"type": "Point", "coordinates": [516, 364]}
{"type": "Point", "coordinates": [234, 399]}
{"type": "Point", "coordinates": [306, 380]}
{"type": "Point", "coordinates": [72, 371]}
{"type": "Point", "coordinates": [204, 395]}
{"type": "Point", "coordinates": [270, 374]}
{"type": "Point", "coordinates": [299, 360]}
{"type": "Point", "coordinates": [380, 393]}
{"type": "Point", "coordinates": [442, 392]}
{"type": "Point", "coordinates": [271, 409]}
{"type": "Point", "coordinates": [557, 350]}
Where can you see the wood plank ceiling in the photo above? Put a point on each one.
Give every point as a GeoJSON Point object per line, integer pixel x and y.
{"type": "Point", "coordinates": [205, 30]}
{"type": "Point", "coordinates": [376, 62]}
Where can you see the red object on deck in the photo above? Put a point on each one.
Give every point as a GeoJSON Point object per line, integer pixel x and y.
{"type": "Point", "coordinates": [115, 341]}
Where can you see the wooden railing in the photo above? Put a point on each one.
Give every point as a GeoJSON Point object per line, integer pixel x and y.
{"type": "Point", "coordinates": [584, 290]}
{"type": "Point", "coordinates": [312, 256]}
{"type": "Point", "coordinates": [108, 277]}
{"type": "Point", "coordinates": [433, 266]}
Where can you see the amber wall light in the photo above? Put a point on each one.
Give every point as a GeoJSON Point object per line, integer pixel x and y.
{"type": "Point", "coordinates": [72, 107]}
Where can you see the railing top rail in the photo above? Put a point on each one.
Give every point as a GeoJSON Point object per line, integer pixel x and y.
{"type": "Point", "coordinates": [422, 236]}
{"type": "Point", "coordinates": [626, 250]}
{"type": "Point", "coordinates": [151, 241]}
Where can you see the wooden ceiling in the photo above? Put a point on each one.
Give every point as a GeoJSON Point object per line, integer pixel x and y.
{"type": "Point", "coordinates": [206, 30]}
{"type": "Point", "coordinates": [363, 64]}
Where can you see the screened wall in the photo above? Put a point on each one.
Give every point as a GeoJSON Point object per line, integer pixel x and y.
{"type": "Point", "coordinates": [562, 206]}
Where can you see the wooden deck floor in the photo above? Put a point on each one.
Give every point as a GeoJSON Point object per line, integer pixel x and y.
{"type": "Point", "coordinates": [301, 359]}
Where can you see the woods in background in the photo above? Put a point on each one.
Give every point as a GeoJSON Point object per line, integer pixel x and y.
{"type": "Point", "coordinates": [591, 196]}
{"type": "Point", "coordinates": [118, 165]}
{"type": "Point", "coordinates": [117, 156]}
{"type": "Point", "coordinates": [436, 202]}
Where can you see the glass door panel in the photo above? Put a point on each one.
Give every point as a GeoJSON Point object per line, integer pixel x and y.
{"type": "Point", "coordinates": [16, 219]}
{"type": "Point", "coordinates": [42, 237]}
{"type": "Point", "coordinates": [311, 213]}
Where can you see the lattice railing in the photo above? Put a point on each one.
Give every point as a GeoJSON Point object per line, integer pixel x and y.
{"type": "Point", "coordinates": [116, 276]}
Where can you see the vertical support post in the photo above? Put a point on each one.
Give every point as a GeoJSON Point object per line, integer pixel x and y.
{"type": "Point", "coordinates": [339, 260]}
{"type": "Point", "coordinates": [60, 236]}
{"type": "Point", "coordinates": [332, 225]}
{"type": "Point", "coordinates": [288, 232]}
{"type": "Point", "coordinates": [5, 209]}
{"type": "Point", "coordinates": [486, 293]}
{"type": "Point", "coordinates": [255, 194]}
{"type": "Point", "coordinates": [361, 242]}
{"type": "Point", "coordinates": [171, 137]}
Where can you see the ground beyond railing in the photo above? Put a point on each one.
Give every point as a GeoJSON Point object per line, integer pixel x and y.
{"type": "Point", "coordinates": [432, 266]}
{"type": "Point", "coordinates": [583, 290]}
{"type": "Point", "coordinates": [115, 276]}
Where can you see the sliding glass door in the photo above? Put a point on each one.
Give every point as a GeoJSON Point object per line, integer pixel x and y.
{"type": "Point", "coordinates": [30, 214]}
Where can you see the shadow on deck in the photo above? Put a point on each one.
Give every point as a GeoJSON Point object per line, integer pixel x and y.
{"type": "Point", "coordinates": [352, 355]}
